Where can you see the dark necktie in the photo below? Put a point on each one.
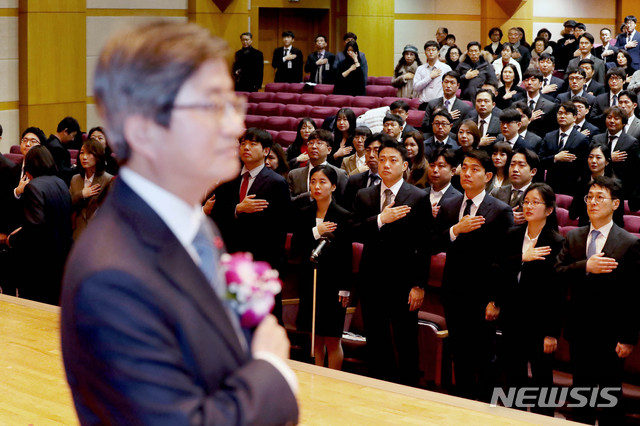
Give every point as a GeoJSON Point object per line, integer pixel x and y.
{"type": "Point", "coordinates": [482, 126]}
{"type": "Point", "coordinates": [203, 243]}
{"type": "Point", "coordinates": [563, 139]}
{"type": "Point", "coordinates": [446, 104]}
{"type": "Point", "coordinates": [545, 82]}
{"type": "Point", "coordinates": [467, 208]}
{"type": "Point", "coordinates": [591, 249]}
{"type": "Point", "coordinates": [612, 140]}
{"type": "Point", "coordinates": [387, 198]}
{"type": "Point", "coordinates": [614, 100]}
{"type": "Point", "coordinates": [532, 105]}
{"type": "Point", "coordinates": [515, 194]}
{"type": "Point", "coordinates": [373, 180]}
{"type": "Point", "coordinates": [578, 128]}
{"type": "Point", "coordinates": [244, 186]}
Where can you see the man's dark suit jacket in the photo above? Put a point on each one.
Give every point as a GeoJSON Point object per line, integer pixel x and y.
{"type": "Point", "coordinates": [599, 68]}
{"type": "Point", "coordinates": [430, 144]}
{"type": "Point", "coordinates": [566, 96]}
{"type": "Point", "coordinates": [489, 48]}
{"type": "Point", "coordinates": [533, 139]}
{"type": "Point", "coordinates": [451, 192]}
{"type": "Point", "coordinates": [487, 74]}
{"type": "Point", "coordinates": [145, 338]}
{"type": "Point", "coordinates": [627, 171]}
{"type": "Point", "coordinates": [593, 130]}
{"type": "Point", "coordinates": [284, 74]}
{"type": "Point", "coordinates": [503, 193]}
{"type": "Point", "coordinates": [62, 158]}
{"type": "Point", "coordinates": [548, 121]}
{"type": "Point", "coordinates": [493, 128]}
{"type": "Point", "coordinates": [596, 116]}
{"type": "Point", "coordinates": [595, 88]}
{"type": "Point", "coordinates": [634, 52]}
{"type": "Point", "coordinates": [563, 176]}
{"type": "Point", "coordinates": [327, 69]}
{"type": "Point", "coordinates": [459, 105]}
{"type": "Point", "coordinates": [46, 229]}
{"type": "Point", "coordinates": [522, 143]}
{"type": "Point", "coordinates": [248, 69]}
{"type": "Point", "coordinates": [262, 233]}
{"type": "Point", "coordinates": [354, 184]}
{"type": "Point", "coordinates": [560, 86]}
{"type": "Point", "coordinates": [609, 58]}
{"type": "Point", "coordinates": [11, 211]}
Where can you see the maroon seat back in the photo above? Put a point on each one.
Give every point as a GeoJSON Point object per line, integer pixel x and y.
{"type": "Point", "coordinates": [358, 111]}
{"type": "Point", "coordinates": [340, 101]}
{"type": "Point", "coordinates": [16, 158]}
{"type": "Point", "coordinates": [631, 223]}
{"type": "Point", "coordinates": [323, 112]}
{"type": "Point", "coordinates": [415, 118]}
{"type": "Point", "coordinates": [383, 81]}
{"type": "Point", "coordinates": [276, 87]}
{"type": "Point", "coordinates": [563, 200]}
{"type": "Point", "coordinates": [312, 99]}
{"type": "Point", "coordinates": [323, 89]}
{"type": "Point", "coordinates": [381, 91]}
{"type": "Point", "coordinates": [269, 108]}
{"type": "Point", "coordinates": [285, 138]}
{"type": "Point", "coordinates": [297, 111]}
{"type": "Point", "coordinates": [296, 87]}
{"type": "Point", "coordinates": [260, 97]}
{"type": "Point", "coordinates": [15, 149]}
{"type": "Point", "coordinates": [254, 121]}
{"type": "Point", "coordinates": [279, 123]}
{"type": "Point", "coordinates": [368, 102]}
{"type": "Point", "coordinates": [286, 98]}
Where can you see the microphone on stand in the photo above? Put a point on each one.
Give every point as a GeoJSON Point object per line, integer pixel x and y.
{"type": "Point", "coordinates": [325, 240]}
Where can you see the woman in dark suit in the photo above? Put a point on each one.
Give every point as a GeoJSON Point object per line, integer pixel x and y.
{"type": "Point", "coordinates": [349, 75]}
{"type": "Point", "coordinates": [334, 266]}
{"type": "Point", "coordinates": [531, 306]}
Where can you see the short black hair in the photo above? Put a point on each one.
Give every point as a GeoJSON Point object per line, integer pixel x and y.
{"type": "Point", "coordinates": [450, 36]}
{"type": "Point", "coordinates": [544, 30]}
{"type": "Point", "coordinates": [630, 18]}
{"type": "Point", "coordinates": [362, 131]}
{"type": "Point", "coordinates": [522, 106]}
{"type": "Point", "coordinates": [578, 70]}
{"type": "Point", "coordinates": [69, 123]}
{"type": "Point", "coordinates": [390, 143]}
{"type": "Point", "coordinates": [400, 104]}
{"type": "Point", "coordinates": [393, 117]}
{"type": "Point", "coordinates": [581, 26]}
{"type": "Point", "coordinates": [510, 115]}
{"type": "Point", "coordinates": [620, 72]}
{"type": "Point", "coordinates": [618, 112]}
{"type": "Point", "coordinates": [288, 34]}
{"type": "Point", "coordinates": [39, 162]}
{"type": "Point", "coordinates": [633, 97]}
{"type": "Point", "coordinates": [612, 184]}
{"type": "Point", "coordinates": [474, 43]}
{"type": "Point", "coordinates": [442, 112]}
{"type": "Point", "coordinates": [479, 91]}
{"type": "Point", "coordinates": [36, 131]}
{"type": "Point", "coordinates": [321, 35]}
{"type": "Point", "coordinates": [507, 45]}
{"type": "Point", "coordinates": [588, 61]}
{"type": "Point", "coordinates": [255, 134]}
{"type": "Point", "coordinates": [547, 56]}
{"type": "Point", "coordinates": [568, 107]}
{"type": "Point", "coordinates": [376, 137]}
{"type": "Point", "coordinates": [247, 33]}
{"type": "Point", "coordinates": [533, 72]}
{"type": "Point", "coordinates": [581, 100]}
{"type": "Point", "coordinates": [494, 29]}
{"type": "Point", "coordinates": [328, 171]}
{"type": "Point", "coordinates": [483, 157]}
{"type": "Point", "coordinates": [431, 43]}
{"type": "Point", "coordinates": [349, 35]}
{"type": "Point", "coordinates": [452, 74]}
{"type": "Point", "coordinates": [449, 156]}
{"type": "Point", "coordinates": [589, 37]}
{"type": "Point", "coordinates": [530, 156]}
{"type": "Point", "coordinates": [323, 135]}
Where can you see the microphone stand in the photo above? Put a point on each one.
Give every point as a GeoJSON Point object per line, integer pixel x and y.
{"type": "Point", "coordinates": [313, 314]}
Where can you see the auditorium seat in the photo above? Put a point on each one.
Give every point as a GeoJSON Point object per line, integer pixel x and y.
{"type": "Point", "coordinates": [323, 89]}
{"type": "Point", "coordinates": [286, 137]}
{"type": "Point", "coordinates": [369, 102]}
{"type": "Point", "coordinates": [339, 101]}
{"type": "Point", "coordinates": [296, 88]}
{"type": "Point", "coordinates": [564, 230]}
{"type": "Point", "coordinates": [276, 87]}
{"type": "Point", "coordinates": [415, 118]}
{"type": "Point", "coordinates": [243, 94]}
{"type": "Point", "coordinates": [255, 121]}
{"type": "Point", "coordinates": [16, 158]}
{"type": "Point", "coordinates": [430, 349]}
{"type": "Point", "coordinates": [563, 217]}
{"type": "Point", "coordinates": [280, 123]}
{"type": "Point", "coordinates": [381, 91]}
{"type": "Point", "coordinates": [631, 223]}
{"type": "Point", "coordinates": [274, 133]}
{"type": "Point", "coordinates": [269, 108]}
{"type": "Point", "coordinates": [251, 107]}
{"type": "Point", "coordinates": [286, 98]}
{"type": "Point", "coordinates": [15, 149]}
{"type": "Point", "coordinates": [318, 122]}
{"type": "Point", "coordinates": [627, 210]}
{"type": "Point", "coordinates": [563, 200]}
{"type": "Point", "coordinates": [415, 103]}
{"type": "Point", "coordinates": [384, 81]}
{"type": "Point", "coordinates": [323, 112]}
{"type": "Point", "coordinates": [388, 100]}
{"type": "Point", "coordinates": [312, 99]}
{"type": "Point", "coordinates": [358, 111]}
{"type": "Point", "coordinates": [297, 111]}
{"type": "Point", "coordinates": [260, 97]}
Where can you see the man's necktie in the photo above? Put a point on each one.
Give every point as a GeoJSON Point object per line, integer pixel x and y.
{"type": "Point", "coordinates": [244, 186]}
{"type": "Point", "coordinates": [482, 126]}
{"type": "Point", "coordinates": [612, 141]}
{"type": "Point", "coordinates": [387, 198]}
{"type": "Point", "coordinates": [446, 104]}
{"type": "Point", "coordinates": [532, 105]}
{"type": "Point", "coordinates": [578, 128]}
{"type": "Point", "coordinates": [614, 100]}
{"type": "Point", "coordinates": [467, 208]}
{"type": "Point", "coordinates": [373, 179]}
{"type": "Point", "coordinates": [545, 82]}
{"type": "Point", "coordinates": [203, 243]}
{"type": "Point", "coordinates": [563, 139]}
{"type": "Point", "coordinates": [591, 249]}
{"type": "Point", "coordinates": [515, 194]}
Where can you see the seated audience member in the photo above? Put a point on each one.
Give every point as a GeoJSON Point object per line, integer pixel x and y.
{"type": "Point", "coordinates": [333, 267]}
{"type": "Point", "coordinates": [393, 220]}
{"type": "Point", "coordinates": [623, 60]}
{"type": "Point", "coordinates": [582, 125]}
{"type": "Point", "coordinates": [442, 164]}
{"type": "Point", "coordinates": [455, 106]}
{"type": "Point", "coordinates": [629, 40]}
{"type": "Point", "coordinates": [521, 51]}
{"type": "Point", "coordinates": [251, 210]}
{"type": "Point", "coordinates": [350, 78]}
{"type": "Point", "coordinates": [405, 71]}
{"type": "Point", "coordinates": [368, 178]}
{"type": "Point", "coordinates": [277, 160]}
{"type": "Point", "coordinates": [288, 60]}
{"type": "Point", "coordinates": [319, 148]}
{"type": "Point", "coordinates": [427, 83]}
{"type": "Point", "coordinates": [469, 289]}
{"type": "Point", "coordinates": [551, 85]}
{"type": "Point", "coordinates": [495, 47]}
{"type": "Point", "coordinates": [417, 170]}
{"type": "Point", "coordinates": [543, 118]}
{"type": "Point", "coordinates": [90, 186]}
{"type": "Point", "coordinates": [625, 154]}
{"type": "Point", "coordinates": [532, 139]}
{"type": "Point", "coordinates": [501, 153]}
{"type": "Point", "coordinates": [66, 132]}
{"type": "Point", "coordinates": [523, 167]}
{"type": "Point", "coordinates": [564, 151]}
{"type": "Point", "coordinates": [31, 136]}
{"type": "Point", "coordinates": [441, 130]}
{"type": "Point", "coordinates": [362, 58]}
{"type": "Point", "coordinates": [585, 44]}
{"type": "Point", "coordinates": [297, 153]}
{"type": "Point", "coordinates": [343, 136]}
{"type": "Point", "coordinates": [392, 126]}
{"type": "Point", "coordinates": [600, 263]}
{"type": "Point", "coordinates": [474, 71]}
{"type": "Point", "coordinates": [576, 79]}
{"type": "Point", "coordinates": [99, 134]}
{"type": "Point", "coordinates": [509, 88]}
{"type": "Point", "coordinates": [486, 116]}
{"type": "Point", "coordinates": [506, 59]}
{"type": "Point", "coordinates": [607, 51]}
{"type": "Point", "coordinates": [628, 102]}
{"type": "Point", "coordinates": [357, 162]}
{"type": "Point", "coordinates": [592, 86]}
{"type": "Point", "coordinates": [374, 117]}
{"type": "Point", "coordinates": [530, 282]}
{"type": "Point", "coordinates": [540, 46]}
{"type": "Point", "coordinates": [319, 64]}
{"type": "Point", "coordinates": [46, 228]}
{"type": "Point", "coordinates": [452, 57]}
{"type": "Point", "coordinates": [615, 81]}
{"type": "Point", "coordinates": [441, 37]}
{"type": "Point", "coordinates": [510, 124]}
{"type": "Point", "coordinates": [599, 162]}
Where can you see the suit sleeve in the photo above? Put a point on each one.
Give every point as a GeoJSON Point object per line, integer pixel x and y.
{"type": "Point", "coordinates": [277, 61]}
{"type": "Point", "coordinates": [34, 217]}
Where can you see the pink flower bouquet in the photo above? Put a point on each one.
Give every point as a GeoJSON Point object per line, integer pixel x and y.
{"type": "Point", "coordinates": [251, 287]}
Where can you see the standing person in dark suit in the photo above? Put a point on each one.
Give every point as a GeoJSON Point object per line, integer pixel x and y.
{"type": "Point", "coordinates": [582, 125]}
{"type": "Point", "coordinates": [442, 164]}
{"type": "Point", "coordinates": [362, 58]}
{"type": "Point", "coordinates": [368, 178]}
{"type": "Point", "coordinates": [628, 101]}
{"type": "Point", "coordinates": [393, 220]}
{"type": "Point", "coordinates": [46, 229]}
{"type": "Point", "coordinates": [629, 40]}
{"type": "Point", "coordinates": [495, 34]}
{"type": "Point", "coordinates": [525, 118]}
{"type": "Point", "coordinates": [474, 71]}
{"type": "Point", "coordinates": [350, 78]}
{"type": "Point", "coordinates": [65, 133]}
{"type": "Point", "coordinates": [576, 79]}
{"type": "Point", "coordinates": [441, 134]}
{"type": "Point", "coordinates": [486, 116]}
{"type": "Point", "coordinates": [469, 291]}
{"type": "Point", "coordinates": [600, 262]}
{"type": "Point", "coordinates": [606, 51]}
{"type": "Point", "coordinates": [455, 106]}
{"type": "Point", "coordinates": [551, 85]}
{"type": "Point", "coordinates": [520, 53]}
{"type": "Point", "coordinates": [543, 119]}
{"type": "Point", "coordinates": [148, 336]}
{"type": "Point", "coordinates": [523, 167]}
{"type": "Point", "coordinates": [334, 266]}
{"type": "Point", "coordinates": [288, 61]}
{"type": "Point", "coordinates": [564, 151]}
{"type": "Point", "coordinates": [592, 87]}
{"type": "Point", "coordinates": [531, 284]}
{"type": "Point", "coordinates": [585, 46]}
{"type": "Point", "coordinates": [248, 66]}
{"type": "Point", "coordinates": [320, 63]}
{"type": "Point", "coordinates": [615, 82]}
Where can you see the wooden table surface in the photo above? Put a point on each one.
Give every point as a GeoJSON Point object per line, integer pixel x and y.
{"type": "Point", "coordinates": [34, 389]}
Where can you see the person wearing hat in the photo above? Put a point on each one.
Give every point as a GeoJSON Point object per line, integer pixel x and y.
{"type": "Point", "coordinates": [405, 71]}
{"type": "Point", "coordinates": [567, 45]}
